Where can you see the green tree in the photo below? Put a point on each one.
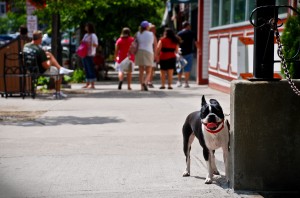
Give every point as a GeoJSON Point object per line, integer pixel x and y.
{"type": "Point", "coordinates": [109, 16]}
{"type": "Point", "coordinates": [13, 20]}
{"type": "Point", "coordinates": [291, 41]}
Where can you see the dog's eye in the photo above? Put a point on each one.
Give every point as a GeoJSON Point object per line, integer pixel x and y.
{"type": "Point", "coordinates": [204, 112]}
{"type": "Point", "coordinates": [217, 111]}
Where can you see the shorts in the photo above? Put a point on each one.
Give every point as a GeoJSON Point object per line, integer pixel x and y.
{"type": "Point", "coordinates": [144, 58]}
{"type": "Point", "coordinates": [119, 69]}
{"type": "Point", "coordinates": [167, 64]}
{"type": "Point", "coordinates": [189, 58]}
{"type": "Point", "coordinates": [53, 73]}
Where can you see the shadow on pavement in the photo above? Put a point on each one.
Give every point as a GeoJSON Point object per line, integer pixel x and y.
{"type": "Point", "coordinates": [64, 120]}
{"type": "Point", "coordinates": [108, 93]}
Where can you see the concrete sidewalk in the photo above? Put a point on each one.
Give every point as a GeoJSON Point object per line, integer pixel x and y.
{"type": "Point", "coordinates": [105, 143]}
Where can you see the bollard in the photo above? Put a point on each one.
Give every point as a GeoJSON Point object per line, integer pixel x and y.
{"type": "Point", "coordinates": [263, 60]}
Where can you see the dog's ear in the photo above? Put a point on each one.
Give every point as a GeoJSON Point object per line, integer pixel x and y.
{"type": "Point", "coordinates": [203, 101]}
{"type": "Point", "coordinates": [214, 102]}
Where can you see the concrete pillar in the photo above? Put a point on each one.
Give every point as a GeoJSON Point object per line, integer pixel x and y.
{"type": "Point", "coordinates": [265, 136]}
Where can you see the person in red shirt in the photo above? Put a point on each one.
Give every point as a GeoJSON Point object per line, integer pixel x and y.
{"type": "Point", "coordinates": [167, 48]}
{"type": "Point", "coordinates": [99, 62]}
{"type": "Point", "coordinates": [121, 52]}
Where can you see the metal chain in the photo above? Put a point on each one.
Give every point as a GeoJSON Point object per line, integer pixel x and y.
{"type": "Point", "coordinates": [283, 63]}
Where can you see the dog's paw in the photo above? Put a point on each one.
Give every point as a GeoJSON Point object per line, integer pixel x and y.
{"type": "Point", "coordinates": [185, 174]}
{"type": "Point", "coordinates": [216, 172]}
{"type": "Point", "coordinates": [208, 180]}
{"type": "Point", "coordinates": [227, 180]}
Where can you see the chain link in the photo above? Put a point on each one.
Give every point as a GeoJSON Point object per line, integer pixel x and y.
{"type": "Point", "coordinates": [283, 63]}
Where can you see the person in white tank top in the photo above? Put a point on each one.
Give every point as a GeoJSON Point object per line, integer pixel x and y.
{"type": "Point", "coordinates": [145, 56]}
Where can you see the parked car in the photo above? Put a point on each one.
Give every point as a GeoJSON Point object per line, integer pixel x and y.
{"type": "Point", "coordinates": [46, 40]}
{"type": "Point", "coordinates": [5, 38]}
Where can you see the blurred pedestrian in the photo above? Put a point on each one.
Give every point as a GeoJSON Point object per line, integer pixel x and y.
{"type": "Point", "coordinates": [121, 52]}
{"type": "Point", "coordinates": [144, 56]}
{"type": "Point", "coordinates": [100, 66]}
{"type": "Point", "coordinates": [23, 36]}
{"type": "Point", "coordinates": [154, 65]}
{"type": "Point", "coordinates": [167, 48]}
{"type": "Point", "coordinates": [189, 41]}
{"type": "Point", "coordinates": [92, 41]}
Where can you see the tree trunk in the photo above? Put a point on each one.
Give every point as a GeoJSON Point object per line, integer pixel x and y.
{"type": "Point", "coordinates": [56, 47]}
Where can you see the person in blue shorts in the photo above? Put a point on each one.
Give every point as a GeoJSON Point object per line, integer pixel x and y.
{"type": "Point", "coordinates": [189, 42]}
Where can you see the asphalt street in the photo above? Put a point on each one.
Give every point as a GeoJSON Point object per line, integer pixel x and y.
{"type": "Point", "coordinates": [105, 143]}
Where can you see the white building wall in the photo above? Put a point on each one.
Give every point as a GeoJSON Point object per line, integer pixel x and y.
{"type": "Point", "coordinates": [224, 49]}
{"type": "Point", "coordinates": [206, 26]}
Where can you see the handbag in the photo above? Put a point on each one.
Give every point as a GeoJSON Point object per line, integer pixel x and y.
{"type": "Point", "coordinates": [126, 65]}
{"type": "Point", "coordinates": [82, 50]}
{"type": "Point", "coordinates": [180, 63]}
{"type": "Point", "coordinates": [134, 47]}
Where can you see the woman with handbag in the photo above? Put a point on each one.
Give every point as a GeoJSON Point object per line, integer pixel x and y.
{"type": "Point", "coordinates": [124, 59]}
{"type": "Point", "coordinates": [91, 40]}
{"type": "Point", "coordinates": [145, 55]}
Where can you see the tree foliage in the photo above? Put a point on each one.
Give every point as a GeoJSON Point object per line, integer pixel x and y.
{"type": "Point", "coordinates": [13, 19]}
{"type": "Point", "coordinates": [291, 42]}
{"type": "Point", "coordinates": [108, 16]}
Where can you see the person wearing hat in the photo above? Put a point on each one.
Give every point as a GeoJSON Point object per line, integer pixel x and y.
{"type": "Point", "coordinates": [145, 54]}
{"type": "Point", "coordinates": [121, 52]}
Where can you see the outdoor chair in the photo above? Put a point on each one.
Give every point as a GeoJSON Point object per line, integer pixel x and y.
{"type": "Point", "coordinates": [31, 67]}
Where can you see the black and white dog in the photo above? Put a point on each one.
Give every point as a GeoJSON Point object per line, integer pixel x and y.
{"type": "Point", "coordinates": [212, 130]}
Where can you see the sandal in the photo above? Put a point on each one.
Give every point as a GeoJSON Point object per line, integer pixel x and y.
{"type": "Point", "coordinates": [145, 88]}
{"type": "Point", "coordinates": [162, 87]}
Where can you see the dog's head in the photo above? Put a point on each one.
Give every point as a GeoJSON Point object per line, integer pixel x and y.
{"type": "Point", "coordinates": [211, 114]}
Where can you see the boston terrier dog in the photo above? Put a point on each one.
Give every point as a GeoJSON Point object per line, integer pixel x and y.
{"type": "Point", "coordinates": [212, 130]}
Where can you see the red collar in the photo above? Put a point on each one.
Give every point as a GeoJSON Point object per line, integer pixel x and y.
{"type": "Point", "coordinates": [216, 131]}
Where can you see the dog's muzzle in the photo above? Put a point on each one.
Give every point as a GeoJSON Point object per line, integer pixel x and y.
{"type": "Point", "coordinates": [214, 127]}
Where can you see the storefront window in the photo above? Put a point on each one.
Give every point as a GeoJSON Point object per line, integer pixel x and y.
{"type": "Point", "coordinates": [2, 8]}
{"type": "Point", "coordinates": [282, 2]}
{"type": "Point", "coordinates": [251, 7]}
{"type": "Point", "coordinates": [215, 13]}
{"type": "Point", "coordinates": [221, 13]}
{"type": "Point", "coordinates": [239, 11]}
{"type": "Point", "coordinates": [226, 11]}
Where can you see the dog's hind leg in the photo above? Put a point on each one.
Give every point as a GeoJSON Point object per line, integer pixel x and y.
{"type": "Point", "coordinates": [187, 142]}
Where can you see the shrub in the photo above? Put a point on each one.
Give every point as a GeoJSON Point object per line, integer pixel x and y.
{"type": "Point", "coordinates": [291, 41]}
{"type": "Point", "coordinates": [78, 76]}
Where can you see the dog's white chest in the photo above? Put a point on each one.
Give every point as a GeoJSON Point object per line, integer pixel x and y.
{"type": "Point", "coordinates": [212, 141]}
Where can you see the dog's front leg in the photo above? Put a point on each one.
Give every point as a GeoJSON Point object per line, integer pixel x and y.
{"type": "Point", "coordinates": [208, 158]}
{"type": "Point", "coordinates": [213, 163]}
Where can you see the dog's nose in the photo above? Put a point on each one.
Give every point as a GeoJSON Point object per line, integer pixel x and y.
{"type": "Point", "coordinates": [211, 118]}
